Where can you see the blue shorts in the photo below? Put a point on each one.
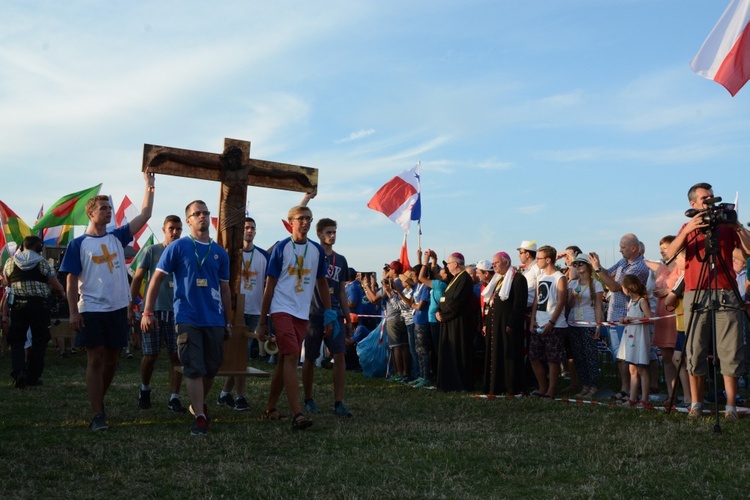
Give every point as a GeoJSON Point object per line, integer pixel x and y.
{"type": "Point", "coordinates": [165, 334]}
{"type": "Point", "coordinates": [109, 329]}
{"type": "Point", "coordinates": [201, 349]}
{"type": "Point", "coordinates": [680, 343]}
{"type": "Point", "coordinates": [314, 338]}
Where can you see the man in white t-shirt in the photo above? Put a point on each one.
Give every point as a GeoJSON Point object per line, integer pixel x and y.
{"type": "Point", "coordinates": [548, 323]}
{"type": "Point", "coordinates": [295, 269]}
{"type": "Point", "coordinates": [95, 263]}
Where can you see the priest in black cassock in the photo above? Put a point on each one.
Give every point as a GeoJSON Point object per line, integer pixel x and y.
{"type": "Point", "coordinates": [504, 328]}
{"type": "Point", "coordinates": [458, 314]}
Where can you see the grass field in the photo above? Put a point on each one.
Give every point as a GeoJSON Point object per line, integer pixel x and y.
{"type": "Point", "coordinates": [401, 443]}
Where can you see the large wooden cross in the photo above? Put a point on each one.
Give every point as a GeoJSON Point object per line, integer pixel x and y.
{"type": "Point", "coordinates": [235, 170]}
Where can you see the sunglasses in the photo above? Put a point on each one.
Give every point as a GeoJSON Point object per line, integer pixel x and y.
{"type": "Point", "coordinates": [577, 264]}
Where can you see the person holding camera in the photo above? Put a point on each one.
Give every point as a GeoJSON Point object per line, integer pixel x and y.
{"type": "Point", "coordinates": [728, 234]}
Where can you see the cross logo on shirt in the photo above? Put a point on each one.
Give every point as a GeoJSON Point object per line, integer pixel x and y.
{"type": "Point", "coordinates": [300, 272]}
{"type": "Point", "coordinates": [105, 258]}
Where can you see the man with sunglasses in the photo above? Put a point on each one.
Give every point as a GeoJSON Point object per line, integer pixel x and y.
{"type": "Point", "coordinates": [202, 305]}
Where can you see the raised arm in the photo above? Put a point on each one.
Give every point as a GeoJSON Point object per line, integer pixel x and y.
{"type": "Point", "coordinates": [141, 219]}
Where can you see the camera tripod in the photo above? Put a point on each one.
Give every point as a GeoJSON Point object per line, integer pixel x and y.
{"type": "Point", "coordinates": [708, 300]}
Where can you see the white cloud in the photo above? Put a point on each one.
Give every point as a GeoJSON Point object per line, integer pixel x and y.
{"type": "Point", "coordinates": [354, 136]}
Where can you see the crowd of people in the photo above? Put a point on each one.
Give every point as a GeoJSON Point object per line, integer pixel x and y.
{"type": "Point", "coordinates": [501, 326]}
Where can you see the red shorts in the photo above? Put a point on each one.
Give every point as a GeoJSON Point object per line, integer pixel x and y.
{"type": "Point", "coordinates": [290, 332]}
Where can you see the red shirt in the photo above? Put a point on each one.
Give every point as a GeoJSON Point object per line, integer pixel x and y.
{"type": "Point", "coordinates": [695, 256]}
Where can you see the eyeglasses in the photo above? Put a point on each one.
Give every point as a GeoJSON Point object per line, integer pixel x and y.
{"type": "Point", "coordinates": [204, 213]}
{"type": "Point", "coordinates": [577, 263]}
{"type": "Point", "coordinates": [523, 251]}
{"type": "Point", "coordinates": [303, 218]}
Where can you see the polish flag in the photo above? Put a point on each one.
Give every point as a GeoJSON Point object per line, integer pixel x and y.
{"type": "Point", "coordinates": [725, 55]}
{"type": "Point", "coordinates": [125, 213]}
{"type": "Point", "coordinates": [399, 198]}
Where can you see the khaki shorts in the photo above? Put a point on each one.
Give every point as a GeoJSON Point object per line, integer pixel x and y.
{"type": "Point", "coordinates": [729, 342]}
{"type": "Point", "coordinates": [200, 349]}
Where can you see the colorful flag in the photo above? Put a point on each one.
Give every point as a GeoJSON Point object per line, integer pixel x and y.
{"type": "Point", "coordinates": [58, 235]}
{"type": "Point", "coordinates": [4, 252]}
{"type": "Point", "coordinates": [14, 228]}
{"type": "Point", "coordinates": [68, 210]}
{"type": "Point", "coordinates": [725, 55]}
{"type": "Point", "coordinates": [399, 198]}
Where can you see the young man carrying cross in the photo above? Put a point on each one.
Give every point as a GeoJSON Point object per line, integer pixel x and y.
{"type": "Point", "coordinates": [296, 268]}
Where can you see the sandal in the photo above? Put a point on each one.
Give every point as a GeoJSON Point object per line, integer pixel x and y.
{"type": "Point", "coordinates": [300, 422]}
{"type": "Point", "coordinates": [621, 396]}
{"type": "Point", "coordinates": [273, 414]}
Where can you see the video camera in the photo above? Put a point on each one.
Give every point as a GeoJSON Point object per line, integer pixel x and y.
{"type": "Point", "coordinates": [714, 214]}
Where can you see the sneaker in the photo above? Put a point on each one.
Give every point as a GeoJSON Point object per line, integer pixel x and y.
{"type": "Point", "coordinates": [175, 405]}
{"type": "Point", "coordinates": [21, 380]}
{"type": "Point", "coordinates": [129, 354]}
{"type": "Point", "coordinates": [731, 416]}
{"type": "Point", "coordinates": [144, 400]}
{"type": "Point", "coordinates": [240, 404]}
{"type": "Point", "coordinates": [272, 359]}
{"type": "Point", "coordinates": [200, 426]}
{"type": "Point", "coordinates": [423, 383]}
{"type": "Point", "coordinates": [310, 406]}
{"type": "Point", "coordinates": [98, 423]}
{"type": "Point", "coordinates": [205, 412]}
{"type": "Point", "coordinates": [695, 412]}
{"type": "Point", "coordinates": [416, 381]}
{"type": "Point", "coordinates": [227, 400]}
{"type": "Point", "coordinates": [341, 411]}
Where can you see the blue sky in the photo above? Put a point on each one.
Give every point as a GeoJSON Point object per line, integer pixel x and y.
{"type": "Point", "coordinates": [565, 122]}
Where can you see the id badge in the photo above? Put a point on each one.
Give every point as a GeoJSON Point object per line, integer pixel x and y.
{"type": "Point", "coordinates": [201, 282]}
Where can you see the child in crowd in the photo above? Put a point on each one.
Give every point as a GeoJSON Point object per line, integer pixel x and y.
{"type": "Point", "coordinates": [673, 301]}
{"type": "Point", "coordinates": [635, 346]}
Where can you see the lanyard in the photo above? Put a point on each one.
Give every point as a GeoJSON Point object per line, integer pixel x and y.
{"type": "Point", "coordinates": [299, 260]}
{"type": "Point", "coordinates": [197, 258]}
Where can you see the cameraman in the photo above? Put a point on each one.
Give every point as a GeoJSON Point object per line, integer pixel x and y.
{"type": "Point", "coordinates": [692, 238]}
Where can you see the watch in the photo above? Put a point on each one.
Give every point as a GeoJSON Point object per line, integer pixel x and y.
{"type": "Point", "coordinates": [598, 270]}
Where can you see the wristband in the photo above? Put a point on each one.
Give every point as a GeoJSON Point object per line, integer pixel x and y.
{"type": "Point", "coordinates": [147, 314]}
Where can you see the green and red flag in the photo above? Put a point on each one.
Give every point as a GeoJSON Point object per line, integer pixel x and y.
{"type": "Point", "coordinates": [68, 210]}
{"type": "Point", "coordinates": [14, 230]}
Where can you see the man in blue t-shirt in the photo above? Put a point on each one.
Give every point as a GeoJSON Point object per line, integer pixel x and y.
{"type": "Point", "coordinates": [202, 304]}
{"type": "Point", "coordinates": [337, 271]}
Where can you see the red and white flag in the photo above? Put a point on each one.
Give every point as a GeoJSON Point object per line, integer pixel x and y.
{"type": "Point", "coordinates": [725, 55]}
{"type": "Point", "coordinates": [399, 198]}
{"type": "Point", "coordinates": [124, 214]}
